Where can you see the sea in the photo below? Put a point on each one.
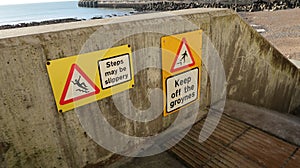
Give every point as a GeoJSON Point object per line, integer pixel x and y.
{"type": "Point", "coordinates": [26, 13]}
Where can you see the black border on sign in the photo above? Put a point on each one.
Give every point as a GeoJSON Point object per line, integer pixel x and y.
{"type": "Point", "coordinates": [167, 90]}
{"type": "Point", "coordinates": [99, 68]}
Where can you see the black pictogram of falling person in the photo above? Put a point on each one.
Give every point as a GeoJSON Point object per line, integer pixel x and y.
{"type": "Point", "coordinates": [182, 60]}
{"type": "Point", "coordinates": [82, 85]}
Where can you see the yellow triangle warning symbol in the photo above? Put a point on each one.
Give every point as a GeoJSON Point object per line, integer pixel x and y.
{"type": "Point", "coordinates": [78, 86]}
{"type": "Point", "coordinates": [184, 58]}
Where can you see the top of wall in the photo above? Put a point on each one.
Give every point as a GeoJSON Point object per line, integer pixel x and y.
{"type": "Point", "coordinates": [9, 33]}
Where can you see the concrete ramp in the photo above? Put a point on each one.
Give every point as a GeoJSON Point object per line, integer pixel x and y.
{"type": "Point", "coordinates": [34, 134]}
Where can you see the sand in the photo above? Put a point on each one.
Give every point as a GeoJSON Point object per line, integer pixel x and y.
{"type": "Point", "coordinates": [282, 29]}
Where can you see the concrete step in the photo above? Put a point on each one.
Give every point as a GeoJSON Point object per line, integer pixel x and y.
{"type": "Point", "coordinates": [284, 126]}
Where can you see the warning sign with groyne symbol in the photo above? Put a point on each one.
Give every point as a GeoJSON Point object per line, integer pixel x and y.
{"type": "Point", "coordinates": [181, 75]}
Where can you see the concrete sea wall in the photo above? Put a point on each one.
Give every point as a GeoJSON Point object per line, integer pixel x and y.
{"type": "Point", "coordinates": [34, 134]}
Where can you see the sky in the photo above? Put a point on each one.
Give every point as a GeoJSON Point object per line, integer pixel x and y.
{"type": "Point", "coordinates": [9, 2]}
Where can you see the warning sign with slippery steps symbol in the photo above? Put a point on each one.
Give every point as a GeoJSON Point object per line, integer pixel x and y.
{"type": "Point", "coordinates": [78, 86]}
{"type": "Point", "coordinates": [184, 58]}
{"type": "Point", "coordinates": [79, 80]}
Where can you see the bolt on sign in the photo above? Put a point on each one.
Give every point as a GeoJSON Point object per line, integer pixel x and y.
{"type": "Point", "coordinates": [82, 79]}
{"type": "Point", "coordinates": [181, 70]}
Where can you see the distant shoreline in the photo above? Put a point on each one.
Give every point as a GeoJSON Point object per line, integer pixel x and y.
{"type": "Point", "coordinates": [47, 22]}
{"type": "Point", "coordinates": [56, 21]}
{"type": "Point", "coordinates": [35, 14]}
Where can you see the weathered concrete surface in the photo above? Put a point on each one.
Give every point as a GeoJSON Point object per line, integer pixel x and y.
{"type": "Point", "coordinates": [35, 135]}
{"type": "Point", "coordinates": [296, 62]}
{"type": "Point", "coordinates": [161, 160]}
{"type": "Point", "coordinates": [284, 126]}
{"type": "Point", "coordinates": [256, 72]}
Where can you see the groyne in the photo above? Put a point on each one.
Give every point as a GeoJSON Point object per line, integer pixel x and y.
{"type": "Point", "coordinates": [112, 4]}
{"type": "Point", "coordinates": [47, 22]}
{"type": "Point", "coordinates": [239, 5]}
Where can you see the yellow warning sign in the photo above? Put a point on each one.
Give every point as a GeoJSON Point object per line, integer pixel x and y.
{"type": "Point", "coordinates": [82, 79]}
{"type": "Point", "coordinates": [181, 69]}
